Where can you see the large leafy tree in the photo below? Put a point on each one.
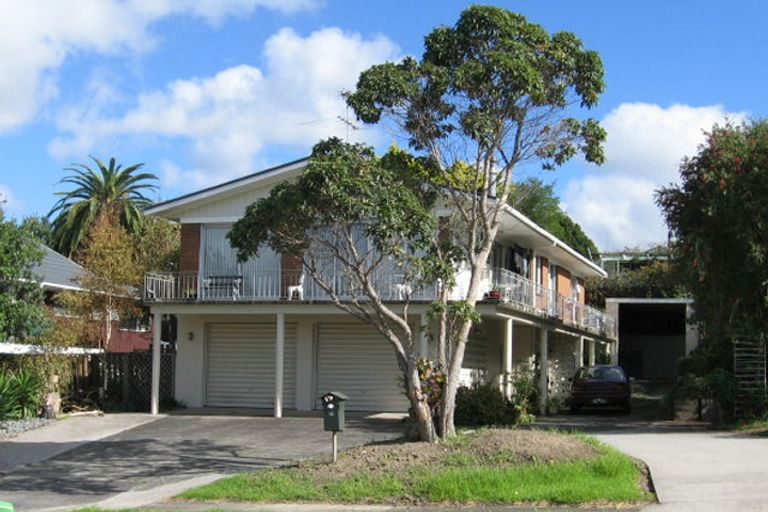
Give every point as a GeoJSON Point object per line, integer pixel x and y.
{"type": "Point", "coordinates": [487, 94]}
{"type": "Point", "coordinates": [110, 189]}
{"type": "Point", "coordinates": [21, 298]}
{"type": "Point", "coordinates": [538, 201]}
{"type": "Point", "coordinates": [719, 217]}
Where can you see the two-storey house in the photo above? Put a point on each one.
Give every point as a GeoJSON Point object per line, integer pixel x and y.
{"type": "Point", "coordinates": [260, 334]}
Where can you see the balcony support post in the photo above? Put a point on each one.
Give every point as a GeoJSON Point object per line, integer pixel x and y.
{"type": "Point", "coordinates": [506, 375]}
{"type": "Point", "coordinates": [157, 324]}
{"type": "Point", "coordinates": [279, 364]}
{"type": "Point", "coordinates": [543, 370]}
{"type": "Point", "coordinates": [591, 353]}
{"type": "Point", "coordinates": [579, 352]}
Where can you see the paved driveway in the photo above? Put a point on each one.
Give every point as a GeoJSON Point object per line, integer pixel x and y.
{"type": "Point", "coordinates": [173, 452]}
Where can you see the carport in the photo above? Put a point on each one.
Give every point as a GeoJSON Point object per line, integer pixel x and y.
{"type": "Point", "coordinates": [653, 335]}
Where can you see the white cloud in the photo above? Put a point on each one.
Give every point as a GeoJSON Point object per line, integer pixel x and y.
{"type": "Point", "coordinates": [646, 143]}
{"type": "Point", "coordinates": [231, 117]}
{"type": "Point", "coordinates": [37, 37]}
{"type": "Point", "coordinates": [8, 203]}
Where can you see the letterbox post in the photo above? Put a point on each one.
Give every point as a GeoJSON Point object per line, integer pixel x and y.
{"type": "Point", "coordinates": [333, 416]}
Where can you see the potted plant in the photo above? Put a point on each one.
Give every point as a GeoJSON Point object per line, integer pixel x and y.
{"type": "Point", "coordinates": [494, 294]}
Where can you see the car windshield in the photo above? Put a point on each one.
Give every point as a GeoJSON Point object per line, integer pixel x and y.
{"type": "Point", "coordinates": [611, 373]}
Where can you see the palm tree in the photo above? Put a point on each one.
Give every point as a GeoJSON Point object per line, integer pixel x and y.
{"type": "Point", "coordinates": [111, 190]}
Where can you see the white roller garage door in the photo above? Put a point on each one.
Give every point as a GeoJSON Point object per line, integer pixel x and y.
{"type": "Point", "coordinates": [354, 359]}
{"type": "Point", "coordinates": [240, 365]}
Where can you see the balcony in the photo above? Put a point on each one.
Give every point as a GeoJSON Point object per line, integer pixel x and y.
{"type": "Point", "coordinates": [502, 286]}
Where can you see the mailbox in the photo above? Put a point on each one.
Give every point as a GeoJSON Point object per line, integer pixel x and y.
{"type": "Point", "coordinates": [334, 404]}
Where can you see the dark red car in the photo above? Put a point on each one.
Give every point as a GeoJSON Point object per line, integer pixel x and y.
{"type": "Point", "coordinates": [600, 386]}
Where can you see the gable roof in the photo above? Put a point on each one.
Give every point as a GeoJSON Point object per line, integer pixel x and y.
{"type": "Point", "coordinates": [57, 272]}
{"type": "Point", "coordinates": [223, 189]}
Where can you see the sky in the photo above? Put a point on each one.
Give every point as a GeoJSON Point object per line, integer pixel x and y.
{"type": "Point", "coordinates": [202, 91]}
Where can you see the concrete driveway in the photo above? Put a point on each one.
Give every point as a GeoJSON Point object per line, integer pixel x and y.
{"type": "Point", "coordinates": [700, 470]}
{"type": "Point", "coordinates": [161, 458]}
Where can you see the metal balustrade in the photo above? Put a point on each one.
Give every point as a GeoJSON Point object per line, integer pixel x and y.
{"type": "Point", "coordinates": [502, 285]}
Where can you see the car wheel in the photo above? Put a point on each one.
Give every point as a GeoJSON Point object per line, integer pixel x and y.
{"type": "Point", "coordinates": [575, 409]}
{"type": "Point", "coordinates": [627, 408]}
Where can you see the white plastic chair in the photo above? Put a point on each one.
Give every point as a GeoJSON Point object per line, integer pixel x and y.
{"type": "Point", "coordinates": [297, 289]}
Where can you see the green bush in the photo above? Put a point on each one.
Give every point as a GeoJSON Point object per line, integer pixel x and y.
{"type": "Point", "coordinates": [483, 405]}
{"type": "Point", "coordinates": [526, 392]}
{"type": "Point", "coordinates": [9, 403]}
{"type": "Point", "coordinates": [29, 393]}
{"type": "Point", "coordinates": [21, 395]}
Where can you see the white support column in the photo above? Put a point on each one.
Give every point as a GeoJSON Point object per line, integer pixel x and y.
{"type": "Point", "coordinates": [579, 352]}
{"type": "Point", "coordinates": [543, 370]}
{"type": "Point", "coordinates": [613, 351]}
{"type": "Point", "coordinates": [507, 357]}
{"type": "Point", "coordinates": [279, 364]}
{"type": "Point", "coordinates": [591, 354]}
{"type": "Point", "coordinates": [423, 347]}
{"type": "Point", "coordinates": [157, 325]}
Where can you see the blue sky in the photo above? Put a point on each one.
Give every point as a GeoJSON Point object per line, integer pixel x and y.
{"type": "Point", "coordinates": [203, 91]}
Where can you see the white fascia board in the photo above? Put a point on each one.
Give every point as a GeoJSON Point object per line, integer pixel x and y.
{"type": "Point", "coordinates": [56, 286]}
{"type": "Point", "coordinates": [226, 187]}
{"type": "Point", "coordinates": [556, 242]}
{"type": "Point", "coordinates": [634, 300]}
{"type": "Point", "coordinates": [208, 220]}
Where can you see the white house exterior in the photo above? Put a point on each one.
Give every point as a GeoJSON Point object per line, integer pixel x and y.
{"type": "Point", "coordinates": [257, 335]}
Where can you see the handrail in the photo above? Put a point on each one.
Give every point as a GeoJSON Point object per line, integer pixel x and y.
{"type": "Point", "coordinates": [507, 287]}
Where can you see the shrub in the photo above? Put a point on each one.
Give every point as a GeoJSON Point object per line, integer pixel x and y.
{"type": "Point", "coordinates": [8, 400]}
{"type": "Point", "coordinates": [483, 405]}
{"type": "Point", "coordinates": [526, 392]}
{"type": "Point", "coordinates": [28, 392]}
{"type": "Point", "coordinates": [21, 395]}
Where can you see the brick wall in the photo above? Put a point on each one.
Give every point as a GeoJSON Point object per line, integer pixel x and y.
{"type": "Point", "coordinates": [189, 259]}
{"type": "Point", "coordinates": [563, 281]}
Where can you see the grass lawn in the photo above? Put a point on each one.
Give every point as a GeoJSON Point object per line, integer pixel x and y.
{"type": "Point", "coordinates": [494, 466]}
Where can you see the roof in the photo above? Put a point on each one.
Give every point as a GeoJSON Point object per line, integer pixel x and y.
{"type": "Point", "coordinates": [576, 258]}
{"type": "Point", "coordinates": [237, 184]}
{"type": "Point", "coordinates": [57, 272]}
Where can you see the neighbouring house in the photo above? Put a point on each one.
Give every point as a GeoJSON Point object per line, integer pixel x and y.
{"type": "Point", "coordinates": [58, 273]}
{"type": "Point", "coordinates": [653, 333]}
{"type": "Point", "coordinates": [258, 335]}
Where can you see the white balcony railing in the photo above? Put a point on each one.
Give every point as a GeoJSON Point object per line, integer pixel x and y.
{"type": "Point", "coordinates": [500, 285]}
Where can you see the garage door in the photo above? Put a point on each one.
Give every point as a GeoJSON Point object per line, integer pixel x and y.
{"type": "Point", "coordinates": [240, 365]}
{"type": "Point", "coordinates": [357, 361]}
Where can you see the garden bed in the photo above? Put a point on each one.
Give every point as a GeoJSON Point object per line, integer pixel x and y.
{"type": "Point", "coordinates": [493, 466]}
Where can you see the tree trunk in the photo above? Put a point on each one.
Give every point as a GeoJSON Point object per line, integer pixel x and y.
{"type": "Point", "coordinates": [420, 410]}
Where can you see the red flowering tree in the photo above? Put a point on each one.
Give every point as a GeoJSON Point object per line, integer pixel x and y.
{"type": "Point", "coordinates": [719, 215]}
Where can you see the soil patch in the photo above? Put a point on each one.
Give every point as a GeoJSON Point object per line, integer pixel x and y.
{"type": "Point", "coordinates": [496, 447]}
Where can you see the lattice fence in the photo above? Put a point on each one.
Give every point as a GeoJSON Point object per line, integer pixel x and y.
{"type": "Point", "coordinates": [129, 378]}
{"type": "Point", "coordinates": [749, 370]}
